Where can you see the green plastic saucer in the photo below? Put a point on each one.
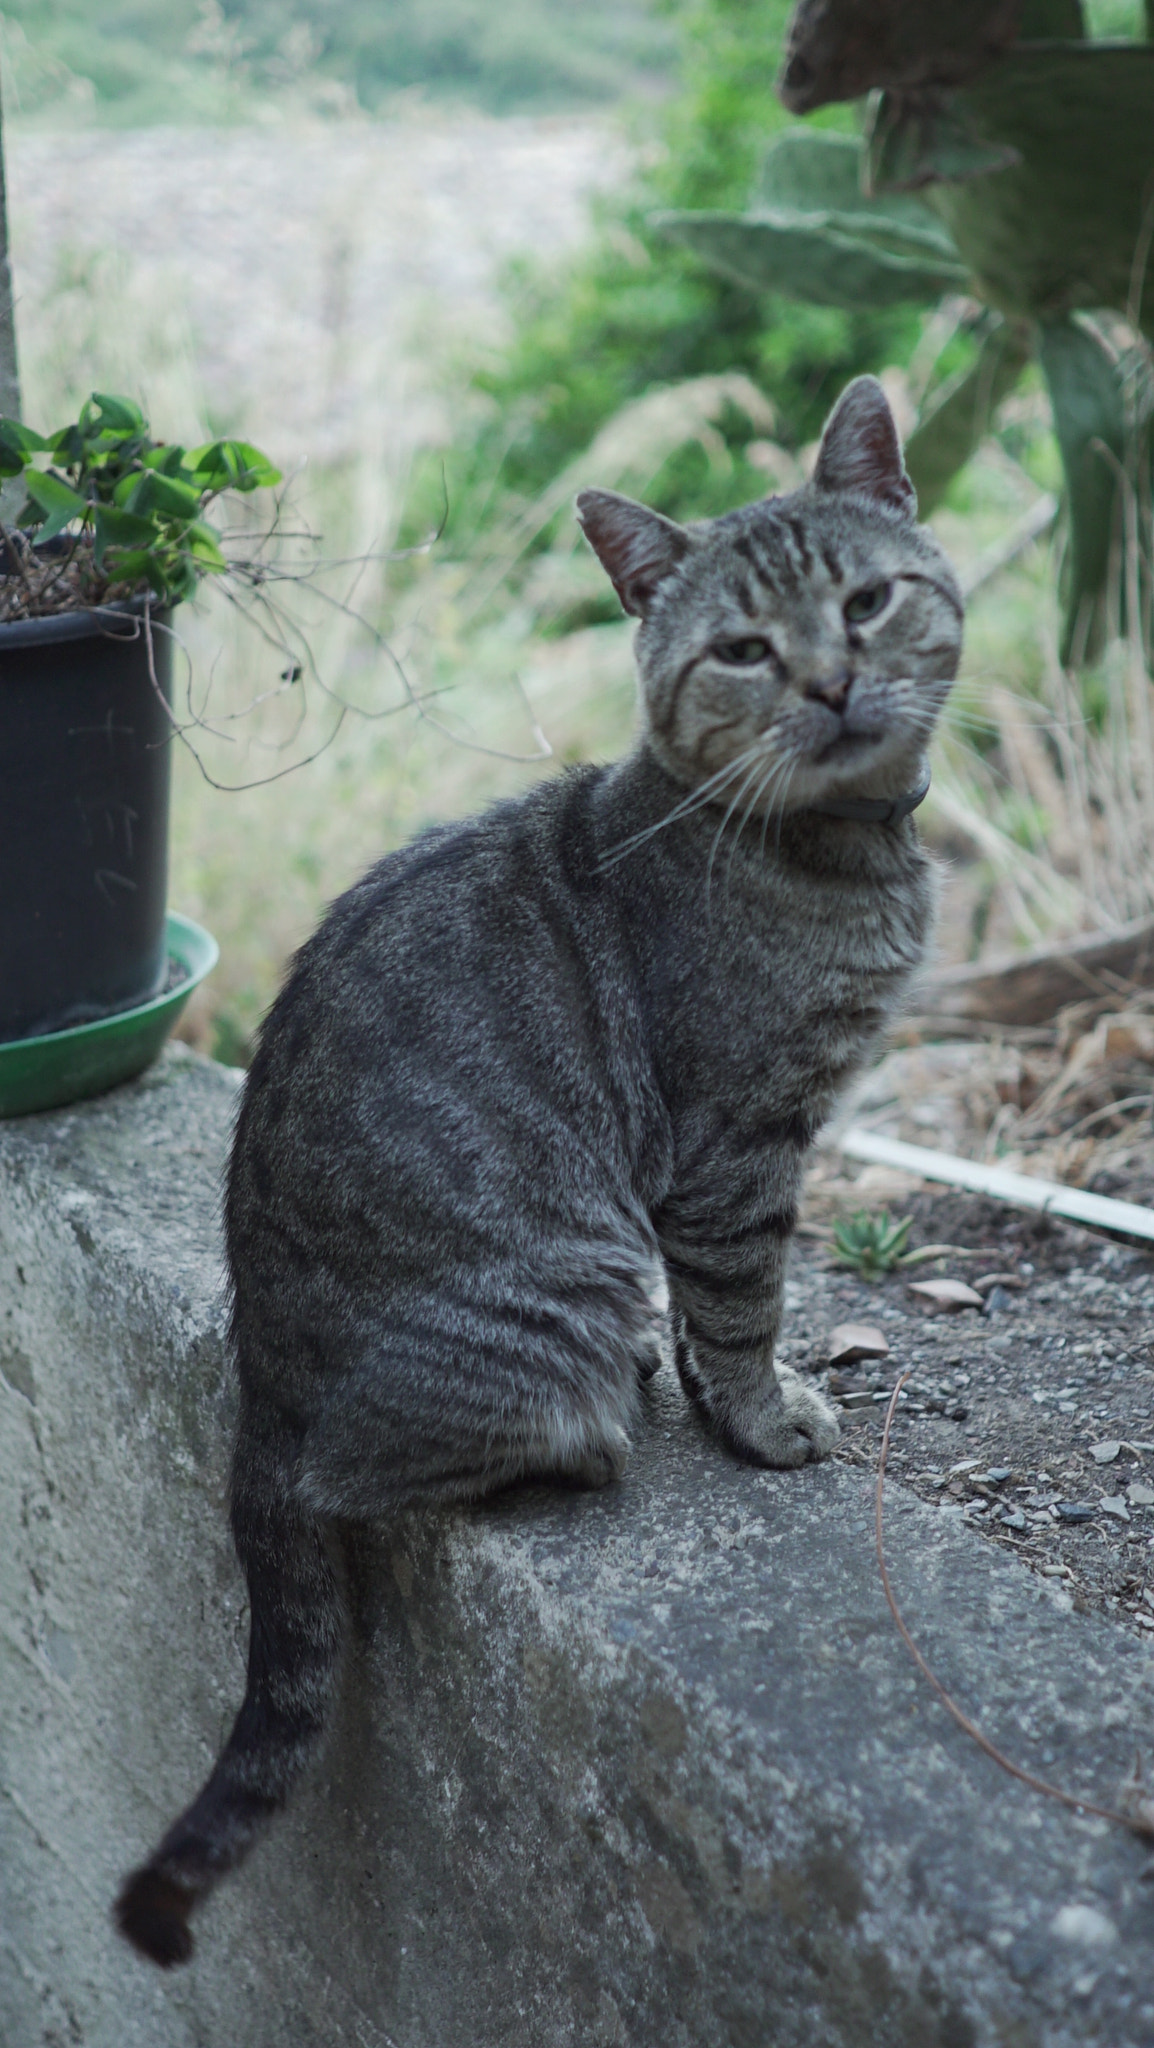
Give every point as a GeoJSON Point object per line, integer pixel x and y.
{"type": "Point", "coordinates": [65, 1066]}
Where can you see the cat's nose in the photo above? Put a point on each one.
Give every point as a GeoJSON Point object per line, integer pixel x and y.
{"type": "Point", "coordinates": [832, 690]}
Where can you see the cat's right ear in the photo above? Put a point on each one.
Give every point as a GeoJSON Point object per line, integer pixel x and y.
{"type": "Point", "coordinates": [636, 548]}
{"type": "Point", "coordinates": [860, 450]}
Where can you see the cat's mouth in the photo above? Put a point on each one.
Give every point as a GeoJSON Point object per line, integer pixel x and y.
{"type": "Point", "coordinates": [847, 746]}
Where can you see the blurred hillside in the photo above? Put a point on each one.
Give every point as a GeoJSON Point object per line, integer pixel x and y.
{"type": "Point", "coordinates": [131, 62]}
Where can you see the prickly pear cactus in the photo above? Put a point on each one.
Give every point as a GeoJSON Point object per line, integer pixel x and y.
{"type": "Point", "coordinates": [1006, 157]}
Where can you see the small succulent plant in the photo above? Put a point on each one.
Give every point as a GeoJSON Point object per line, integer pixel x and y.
{"type": "Point", "coordinates": [871, 1244]}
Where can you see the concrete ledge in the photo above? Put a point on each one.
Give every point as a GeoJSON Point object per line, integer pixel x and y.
{"type": "Point", "coordinates": [646, 1767]}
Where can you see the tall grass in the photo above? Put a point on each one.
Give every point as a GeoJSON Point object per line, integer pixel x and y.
{"type": "Point", "coordinates": [1047, 770]}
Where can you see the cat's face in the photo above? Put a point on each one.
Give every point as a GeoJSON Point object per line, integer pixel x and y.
{"type": "Point", "coordinates": [802, 647]}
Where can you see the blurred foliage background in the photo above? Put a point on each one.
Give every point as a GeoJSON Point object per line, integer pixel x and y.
{"type": "Point", "coordinates": [149, 60]}
{"type": "Point", "coordinates": [622, 360]}
{"type": "Point", "coordinates": [632, 312]}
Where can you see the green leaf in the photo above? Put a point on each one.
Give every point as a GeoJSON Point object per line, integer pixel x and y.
{"type": "Point", "coordinates": [167, 457]}
{"type": "Point", "coordinates": [14, 434]}
{"type": "Point", "coordinates": [181, 581]}
{"type": "Point", "coordinates": [131, 565]}
{"type": "Point", "coordinates": [962, 411]}
{"type": "Point", "coordinates": [69, 446]}
{"type": "Point", "coordinates": [231, 465]}
{"type": "Point", "coordinates": [811, 173]}
{"type": "Point", "coordinates": [121, 415]}
{"type": "Point", "coordinates": [117, 529]}
{"type": "Point", "coordinates": [1086, 384]}
{"type": "Point", "coordinates": [804, 257]}
{"type": "Point", "coordinates": [1061, 230]}
{"type": "Point", "coordinates": [203, 544]}
{"type": "Point", "coordinates": [52, 496]}
{"type": "Point", "coordinates": [257, 472]}
{"type": "Point", "coordinates": [152, 492]}
{"type": "Point", "coordinates": [915, 140]}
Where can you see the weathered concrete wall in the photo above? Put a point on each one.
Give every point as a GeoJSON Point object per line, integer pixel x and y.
{"type": "Point", "coordinates": [647, 1767]}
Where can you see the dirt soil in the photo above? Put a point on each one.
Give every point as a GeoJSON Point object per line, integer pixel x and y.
{"type": "Point", "coordinates": [1031, 1419]}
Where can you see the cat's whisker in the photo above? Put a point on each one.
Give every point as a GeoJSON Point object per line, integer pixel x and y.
{"type": "Point", "coordinates": [695, 801]}
{"type": "Point", "coordinates": [793, 763]}
{"type": "Point", "coordinates": [751, 777]}
{"type": "Point", "coordinates": [760, 790]}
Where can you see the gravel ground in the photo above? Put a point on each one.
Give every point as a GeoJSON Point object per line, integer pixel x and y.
{"type": "Point", "coordinates": [1031, 1419]}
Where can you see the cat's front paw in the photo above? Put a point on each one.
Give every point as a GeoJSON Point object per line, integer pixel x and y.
{"type": "Point", "coordinates": [792, 1426]}
{"type": "Point", "coordinates": [808, 1413]}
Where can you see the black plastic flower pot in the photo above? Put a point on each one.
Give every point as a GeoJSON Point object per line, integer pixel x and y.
{"type": "Point", "coordinates": [85, 767]}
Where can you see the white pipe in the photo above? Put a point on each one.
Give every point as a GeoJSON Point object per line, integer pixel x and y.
{"type": "Point", "coordinates": [1023, 1189]}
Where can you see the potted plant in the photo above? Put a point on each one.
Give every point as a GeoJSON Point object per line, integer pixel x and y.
{"type": "Point", "coordinates": [111, 535]}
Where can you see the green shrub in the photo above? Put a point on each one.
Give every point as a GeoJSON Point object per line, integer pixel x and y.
{"type": "Point", "coordinates": [631, 312]}
{"type": "Point", "coordinates": [162, 59]}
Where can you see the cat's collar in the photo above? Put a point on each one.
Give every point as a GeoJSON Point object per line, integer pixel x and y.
{"type": "Point", "coordinates": [875, 810]}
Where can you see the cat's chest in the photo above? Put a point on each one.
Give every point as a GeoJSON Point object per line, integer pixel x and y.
{"type": "Point", "coordinates": [782, 988]}
{"type": "Point", "coordinates": [795, 945]}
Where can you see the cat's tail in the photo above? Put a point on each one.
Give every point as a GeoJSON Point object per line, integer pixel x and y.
{"type": "Point", "coordinates": [296, 1630]}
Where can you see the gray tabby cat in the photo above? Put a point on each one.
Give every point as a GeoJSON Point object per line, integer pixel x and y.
{"type": "Point", "coordinates": [536, 1066]}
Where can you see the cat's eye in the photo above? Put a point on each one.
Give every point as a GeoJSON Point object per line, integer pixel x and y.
{"type": "Point", "coordinates": [866, 604]}
{"type": "Point", "coordinates": [743, 653]}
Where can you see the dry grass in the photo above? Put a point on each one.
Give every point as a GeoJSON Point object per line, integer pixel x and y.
{"type": "Point", "coordinates": [1048, 772]}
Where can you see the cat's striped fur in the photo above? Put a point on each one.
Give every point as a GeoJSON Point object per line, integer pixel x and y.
{"type": "Point", "coordinates": [538, 1066]}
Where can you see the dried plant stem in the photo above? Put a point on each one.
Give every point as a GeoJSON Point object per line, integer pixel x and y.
{"type": "Point", "coordinates": [1142, 1825]}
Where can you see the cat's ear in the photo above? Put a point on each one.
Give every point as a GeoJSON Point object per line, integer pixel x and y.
{"type": "Point", "coordinates": [636, 548]}
{"type": "Point", "coordinates": [860, 450]}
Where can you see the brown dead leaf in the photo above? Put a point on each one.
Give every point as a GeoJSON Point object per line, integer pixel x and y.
{"type": "Point", "coordinates": [851, 1341]}
{"type": "Point", "coordinates": [947, 1294]}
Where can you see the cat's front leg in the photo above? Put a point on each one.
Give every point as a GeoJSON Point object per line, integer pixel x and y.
{"type": "Point", "coordinates": [726, 1313]}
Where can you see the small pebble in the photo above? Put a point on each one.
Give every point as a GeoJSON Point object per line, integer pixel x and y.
{"type": "Point", "coordinates": [1113, 1504]}
{"type": "Point", "coordinates": [1074, 1511]}
{"type": "Point", "coordinates": [1105, 1453]}
{"type": "Point", "coordinates": [1084, 1926]}
{"type": "Point", "coordinates": [1013, 1518]}
{"type": "Point", "coordinates": [1141, 1495]}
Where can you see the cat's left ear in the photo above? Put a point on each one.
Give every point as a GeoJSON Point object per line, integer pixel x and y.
{"type": "Point", "coordinates": [860, 450]}
{"type": "Point", "coordinates": [636, 548]}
